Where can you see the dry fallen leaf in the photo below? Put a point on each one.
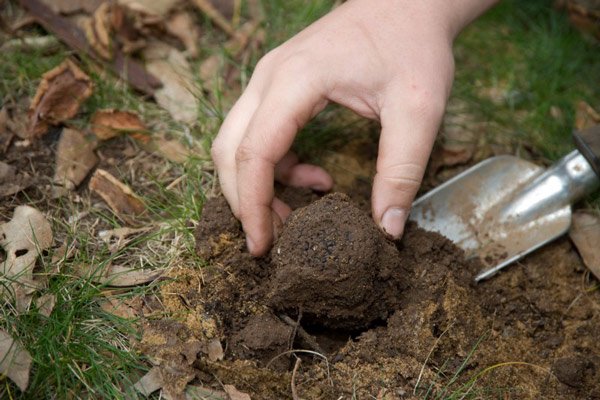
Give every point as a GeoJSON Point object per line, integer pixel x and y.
{"type": "Point", "coordinates": [10, 181]}
{"type": "Point", "coordinates": [156, 7]}
{"type": "Point", "coordinates": [118, 307]}
{"type": "Point", "coordinates": [235, 394]}
{"type": "Point", "coordinates": [585, 234]}
{"type": "Point", "coordinates": [119, 197]}
{"type": "Point", "coordinates": [107, 124]}
{"type": "Point", "coordinates": [75, 158]}
{"type": "Point", "coordinates": [177, 95]}
{"type": "Point", "coordinates": [98, 31]}
{"type": "Point", "coordinates": [15, 361]}
{"type": "Point", "coordinates": [119, 276]}
{"type": "Point", "coordinates": [215, 350]}
{"type": "Point", "coordinates": [23, 238]}
{"type": "Point", "coordinates": [117, 238]}
{"type": "Point", "coordinates": [182, 26]}
{"type": "Point", "coordinates": [45, 304]}
{"type": "Point", "coordinates": [59, 95]}
{"type": "Point", "coordinates": [73, 6]}
{"type": "Point", "coordinates": [150, 382]}
{"type": "Point", "coordinates": [586, 116]}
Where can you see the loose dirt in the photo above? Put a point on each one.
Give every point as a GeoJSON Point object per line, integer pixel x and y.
{"type": "Point", "coordinates": [371, 318]}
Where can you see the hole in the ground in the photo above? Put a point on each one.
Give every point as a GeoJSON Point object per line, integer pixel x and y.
{"type": "Point", "coordinates": [330, 339]}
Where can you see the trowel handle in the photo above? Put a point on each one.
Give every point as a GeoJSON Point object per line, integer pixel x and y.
{"type": "Point", "coordinates": [588, 144]}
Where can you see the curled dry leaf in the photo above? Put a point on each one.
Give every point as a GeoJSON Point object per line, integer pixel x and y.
{"type": "Point", "coordinates": [45, 304]}
{"type": "Point", "coordinates": [171, 149]}
{"type": "Point", "coordinates": [119, 197]}
{"type": "Point", "coordinates": [109, 123]}
{"type": "Point", "coordinates": [75, 158]}
{"type": "Point", "coordinates": [15, 361]}
{"type": "Point", "coordinates": [235, 394]}
{"type": "Point", "coordinates": [585, 234]}
{"type": "Point", "coordinates": [23, 238]}
{"type": "Point", "coordinates": [150, 382]}
{"type": "Point", "coordinates": [177, 93]}
{"type": "Point", "coordinates": [215, 350]}
{"type": "Point", "coordinates": [98, 31]}
{"type": "Point", "coordinates": [59, 95]}
{"type": "Point", "coordinates": [120, 276]}
{"type": "Point", "coordinates": [586, 116]}
{"type": "Point", "coordinates": [117, 238]}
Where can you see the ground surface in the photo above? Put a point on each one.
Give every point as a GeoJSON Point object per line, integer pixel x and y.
{"type": "Point", "coordinates": [368, 318]}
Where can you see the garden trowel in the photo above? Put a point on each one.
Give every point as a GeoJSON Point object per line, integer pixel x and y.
{"type": "Point", "coordinates": [504, 207]}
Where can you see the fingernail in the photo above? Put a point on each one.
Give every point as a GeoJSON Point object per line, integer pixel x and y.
{"type": "Point", "coordinates": [393, 221]}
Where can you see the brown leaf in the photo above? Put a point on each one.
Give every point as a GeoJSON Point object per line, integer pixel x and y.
{"type": "Point", "coordinates": [171, 149]}
{"type": "Point", "coordinates": [215, 350]}
{"type": "Point", "coordinates": [15, 361]}
{"type": "Point", "coordinates": [109, 123]}
{"type": "Point", "coordinates": [172, 69]}
{"type": "Point", "coordinates": [585, 234]}
{"type": "Point", "coordinates": [150, 382]}
{"type": "Point", "coordinates": [45, 304]}
{"type": "Point", "coordinates": [182, 26]}
{"type": "Point", "coordinates": [73, 6]}
{"type": "Point", "coordinates": [10, 181]}
{"type": "Point", "coordinates": [59, 95]}
{"type": "Point", "coordinates": [156, 7]}
{"type": "Point", "coordinates": [23, 238]}
{"type": "Point", "coordinates": [75, 158]}
{"type": "Point", "coordinates": [586, 116]}
{"type": "Point", "coordinates": [235, 394]}
{"type": "Point", "coordinates": [5, 135]}
{"type": "Point", "coordinates": [98, 31]}
{"type": "Point", "coordinates": [119, 276]}
{"type": "Point", "coordinates": [119, 197]}
{"type": "Point", "coordinates": [119, 308]}
{"type": "Point", "coordinates": [121, 235]}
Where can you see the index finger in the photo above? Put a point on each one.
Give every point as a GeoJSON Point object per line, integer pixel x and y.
{"type": "Point", "coordinates": [270, 134]}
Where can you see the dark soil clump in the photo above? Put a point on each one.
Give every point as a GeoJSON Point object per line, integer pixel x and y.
{"type": "Point", "coordinates": [330, 264]}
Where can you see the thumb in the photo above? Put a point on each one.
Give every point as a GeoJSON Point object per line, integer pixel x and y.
{"type": "Point", "coordinates": [405, 144]}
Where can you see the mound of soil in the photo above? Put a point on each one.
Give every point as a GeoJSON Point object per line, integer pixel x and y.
{"type": "Point", "coordinates": [375, 319]}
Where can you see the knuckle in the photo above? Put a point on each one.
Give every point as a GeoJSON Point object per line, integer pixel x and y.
{"type": "Point", "coordinates": [217, 150]}
{"type": "Point", "coordinates": [402, 177]}
{"type": "Point", "coordinates": [244, 153]}
{"type": "Point", "coordinates": [427, 102]}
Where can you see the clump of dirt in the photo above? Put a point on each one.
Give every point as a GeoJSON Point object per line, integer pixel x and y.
{"type": "Point", "coordinates": [331, 263]}
{"type": "Point", "coordinates": [372, 318]}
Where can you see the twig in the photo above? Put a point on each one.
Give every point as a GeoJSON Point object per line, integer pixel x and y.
{"type": "Point", "coordinates": [211, 12]}
{"type": "Point", "coordinates": [314, 353]}
{"type": "Point", "coordinates": [306, 338]}
{"type": "Point", "coordinates": [128, 69]}
{"type": "Point", "coordinates": [293, 383]}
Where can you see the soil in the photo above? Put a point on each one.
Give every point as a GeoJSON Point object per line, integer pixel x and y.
{"type": "Point", "coordinates": [372, 318]}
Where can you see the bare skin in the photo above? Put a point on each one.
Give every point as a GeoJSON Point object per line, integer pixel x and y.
{"type": "Point", "coordinates": [387, 60]}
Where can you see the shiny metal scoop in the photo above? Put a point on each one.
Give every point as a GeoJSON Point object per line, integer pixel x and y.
{"type": "Point", "coordinates": [504, 208]}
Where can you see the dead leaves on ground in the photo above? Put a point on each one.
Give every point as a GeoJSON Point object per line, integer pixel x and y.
{"type": "Point", "coordinates": [119, 197]}
{"type": "Point", "coordinates": [23, 238]}
{"type": "Point", "coordinates": [585, 234]}
{"type": "Point", "coordinates": [75, 158]}
{"type": "Point", "coordinates": [15, 361]}
{"type": "Point", "coordinates": [60, 93]}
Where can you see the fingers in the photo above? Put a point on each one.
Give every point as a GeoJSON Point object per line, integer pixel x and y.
{"type": "Point", "coordinates": [227, 141]}
{"type": "Point", "coordinates": [270, 133]}
{"type": "Point", "coordinates": [291, 173]}
{"type": "Point", "coordinates": [407, 136]}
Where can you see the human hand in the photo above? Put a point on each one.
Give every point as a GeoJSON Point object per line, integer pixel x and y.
{"type": "Point", "coordinates": [386, 60]}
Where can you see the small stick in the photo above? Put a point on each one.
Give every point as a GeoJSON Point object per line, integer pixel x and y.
{"type": "Point", "coordinates": [293, 383]}
{"type": "Point", "coordinates": [308, 339]}
{"type": "Point", "coordinates": [211, 12]}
